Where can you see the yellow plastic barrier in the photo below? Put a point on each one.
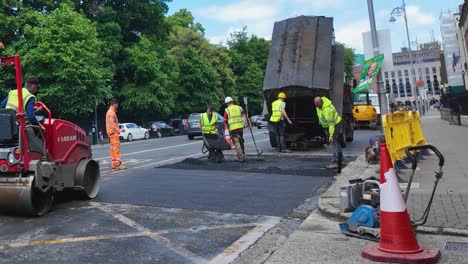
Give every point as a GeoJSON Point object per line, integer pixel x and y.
{"type": "Point", "coordinates": [398, 134]}
{"type": "Point", "coordinates": [418, 135]}
{"type": "Point", "coordinates": [402, 129]}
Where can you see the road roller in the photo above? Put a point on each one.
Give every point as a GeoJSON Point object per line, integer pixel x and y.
{"type": "Point", "coordinates": [38, 162]}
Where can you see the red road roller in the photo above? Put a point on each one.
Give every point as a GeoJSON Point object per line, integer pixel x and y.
{"type": "Point", "coordinates": [36, 163]}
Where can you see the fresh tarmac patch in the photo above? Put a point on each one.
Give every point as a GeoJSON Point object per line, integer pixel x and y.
{"type": "Point", "coordinates": [81, 232]}
{"type": "Point", "coordinates": [299, 165]}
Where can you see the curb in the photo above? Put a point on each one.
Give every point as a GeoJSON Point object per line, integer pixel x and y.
{"type": "Point", "coordinates": [327, 203]}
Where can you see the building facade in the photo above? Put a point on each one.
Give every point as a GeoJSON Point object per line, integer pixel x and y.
{"type": "Point", "coordinates": [463, 40]}
{"type": "Point", "coordinates": [399, 82]}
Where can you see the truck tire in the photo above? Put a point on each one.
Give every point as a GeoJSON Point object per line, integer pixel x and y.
{"type": "Point", "coordinates": [272, 140]}
{"type": "Point", "coordinates": [350, 131]}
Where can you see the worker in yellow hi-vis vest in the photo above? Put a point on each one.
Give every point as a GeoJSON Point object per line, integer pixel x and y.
{"type": "Point", "coordinates": [233, 116]}
{"type": "Point", "coordinates": [278, 121]}
{"type": "Point", "coordinates": [331, 121]}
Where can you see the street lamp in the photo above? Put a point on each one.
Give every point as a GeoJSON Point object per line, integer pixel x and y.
{"type": "Point", "coordinates": [397, 12]}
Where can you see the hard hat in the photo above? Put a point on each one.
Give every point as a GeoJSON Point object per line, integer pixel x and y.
{"type": "Point", "coordinates": [282, 95]}
{"type": "Point", "coordinates": [228, 100]}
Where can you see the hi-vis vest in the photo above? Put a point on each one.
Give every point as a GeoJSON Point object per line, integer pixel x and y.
{"type": "Point", "coordinates": [207, 126]}
{"type": "Point", "coordinates": [12, 102]}
{"type": "Point", "coordinates": [235, 120]}
{"type": "Point", "coordinates": [276, 108]}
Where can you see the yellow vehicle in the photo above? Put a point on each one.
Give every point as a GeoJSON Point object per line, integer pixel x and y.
{"type": "Point", "coordinates": [364, 113]}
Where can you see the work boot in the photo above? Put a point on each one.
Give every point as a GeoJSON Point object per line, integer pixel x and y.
{"type": "Point", "coordinates": [120, 167]}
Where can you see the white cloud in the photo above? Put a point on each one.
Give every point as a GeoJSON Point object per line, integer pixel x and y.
{"type": "Point", "coordinates": [319, 4]}
{"type": "Point", "coordinates": [417, 17]}
{"type": "Point", "coordinates": [241, 11]}
{"type": "Point", "coordinates": [351, 34]}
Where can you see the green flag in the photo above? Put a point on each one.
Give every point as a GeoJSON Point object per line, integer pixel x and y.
{"type": "Point", "coordinates": [371, 68]}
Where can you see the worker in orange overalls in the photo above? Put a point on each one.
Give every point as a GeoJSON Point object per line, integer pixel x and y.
{"type": "Point", "coordinates": [113, 131]}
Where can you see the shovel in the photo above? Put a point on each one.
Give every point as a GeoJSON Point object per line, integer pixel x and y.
{"type": "Point", "coordinates": [255, 144]}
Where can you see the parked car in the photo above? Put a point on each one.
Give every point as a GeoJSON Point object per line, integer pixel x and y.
{"type": "Point", "coordinates": [255, 119]}
{"type": "Point", "coordinates": [262, 123]}
{"type": "Point", "coordinates": [161, 129]}
{"type": "Point", "coordinates": [131, 131]}
{"type": "Point", "coordinates": [176, 123]}
{"type": "Point", "coordinates": [193, 128]}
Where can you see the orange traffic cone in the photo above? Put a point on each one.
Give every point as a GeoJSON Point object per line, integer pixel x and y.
{"type": "Point", "coordinates": [227, 136]}
{"type": "Point", "coordinates": [398, 242]}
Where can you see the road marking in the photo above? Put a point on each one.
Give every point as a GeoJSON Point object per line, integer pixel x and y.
{"type": "Point", "coordinates": [163, 148]}
{"type": "Point", "coordinates": [245, 241]}
{"type": "Point", "coordinates": [107, 173]}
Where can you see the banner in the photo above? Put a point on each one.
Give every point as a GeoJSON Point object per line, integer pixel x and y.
{"type": "Point", "coordinates": [369, 73]}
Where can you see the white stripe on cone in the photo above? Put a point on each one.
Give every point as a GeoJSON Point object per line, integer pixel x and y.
{"type": "Point", "coordinates": [227, 137]}
{"type": "Point", "coordinates": [391, 199]}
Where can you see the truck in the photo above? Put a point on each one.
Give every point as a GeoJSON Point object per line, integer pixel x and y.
{"type": "Point", "coordinates": [304, 62]}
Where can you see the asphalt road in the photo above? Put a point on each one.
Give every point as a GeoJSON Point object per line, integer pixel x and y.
{"type": "Point", "coordinates": [170, 206]}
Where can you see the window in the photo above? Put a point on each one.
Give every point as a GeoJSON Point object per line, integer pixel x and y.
{"type": "Point", "coordinates": [434, 70]}
{"type": "Point", "coordinates": [395, 89]}
{"type": "Point", "coordinates": [400, 81]}
{"type": "Point", "coordinates": [386, 75]}
{"type": "Point", "coordinates": [429, 85]}
{"type": "Point", "coordinates": [402, 90]}
{"type": "Point", "coordinates": [408, 89]}
{"type": "Point", "coordinates": [399, 73]}
{"type": "Point", "coordinates": [427, 71]}
{"type": "Point", "coordinates": [406, 72]}
{"type": "Point", "coordinates": [393, 74]}
{"type": "Point", "coordinates": [436, 85]}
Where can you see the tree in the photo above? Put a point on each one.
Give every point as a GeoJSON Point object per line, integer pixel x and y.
{"type": "Point", "coordinates": [348, 62]}
{"type": "Point", "coordinates": [199, 82]}
{"type": "Point", "coordinates": [249, 57]}
{"type": "Point", "coordinates": [184, 19]}
{"type": "Point", "coordinates": [147, 90]}
{"type": "Point", "coordinates": [184, 34]}
{"type": "Point", "coordinates": [250, 85]}
{"type": "Point", "coordinates": [65, 53]}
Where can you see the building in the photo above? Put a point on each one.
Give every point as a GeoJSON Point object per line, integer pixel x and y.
{"type": "Point", "coordinates": [426, 61]}
{"type": "Point", "coordinates": [463, 40]}
{"type": "Point", "coordinates": [451, 39]}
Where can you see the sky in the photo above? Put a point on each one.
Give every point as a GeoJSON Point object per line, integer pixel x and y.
{"type": "Point", "coordinates": [351, 17]}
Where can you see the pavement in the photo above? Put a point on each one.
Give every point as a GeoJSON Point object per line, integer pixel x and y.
{"type": "Point", "coordinates": [319, 240]}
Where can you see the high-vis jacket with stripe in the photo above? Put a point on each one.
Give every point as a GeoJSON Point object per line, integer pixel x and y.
{"type": "Point", "coordinates": [12, 102]}
{"type": "Point", "coordinates": [235, 120]}
{"type": "Point", "coordinates": [328, 116]}
{"type": "Point", "coordinates": [209, 126]}
{"type": "Point", "coordinates": [276, 108]}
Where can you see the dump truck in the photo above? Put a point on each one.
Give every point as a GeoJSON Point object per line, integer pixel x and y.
{"type": "Point", "coordinates": [304, 62]}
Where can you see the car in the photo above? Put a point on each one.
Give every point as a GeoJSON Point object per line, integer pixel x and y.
{"type": "Point", "coordinates": [161, 129]}
{"type": "Point", "coordinates": [193, 127]}
{"type": "Point", "coordinates": [131, 131]}
{"type": "Point", "coordinates": [261, 123]}
{"type": "Point", "coordinates": [176, 123]}
{"type": "Point", "coordinates": [255, 119]}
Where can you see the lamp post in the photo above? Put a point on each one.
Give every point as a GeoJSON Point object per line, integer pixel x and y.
{"type": "Point", "coordinates": [401, 11]}
{"type": "Point", "coordinates": [382, 93]}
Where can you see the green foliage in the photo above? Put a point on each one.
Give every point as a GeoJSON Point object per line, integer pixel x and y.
{"type": "Point", "coordinates": [200, 84]}
{"type": "Point", "coordinates": [64, 52]}
{"type": "Point", "coordinates": [147, 89]}
{"type": "Point", "coordinates": [86, 51]}
{"type": "Point", "coordinates": [249, 58]}
{"type": "Point", "coordinates": [348, 62]}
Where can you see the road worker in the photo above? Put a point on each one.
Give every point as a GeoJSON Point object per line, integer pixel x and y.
{"type": "Point", "coordinates": [278, 121]}
{"type": "Point", "coordinates": [233, 116]}
{"type": "Point", "coordinates": [212, 139]}
{"type": "Point", "coordinates": [331, 121]}
{"type": "Point", "coordinates": [29, 98]}
{"type": "Point", "coordinates": [113, 131]}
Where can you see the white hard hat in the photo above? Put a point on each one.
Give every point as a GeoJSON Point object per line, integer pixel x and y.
{"type": "Point", "coordinates": [228, 100]}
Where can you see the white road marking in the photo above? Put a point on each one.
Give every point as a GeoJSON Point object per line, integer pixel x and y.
{"type": "Point", "coordinates": [163, 148]}
{"type": "Point", "coordinates": [244, 242]}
